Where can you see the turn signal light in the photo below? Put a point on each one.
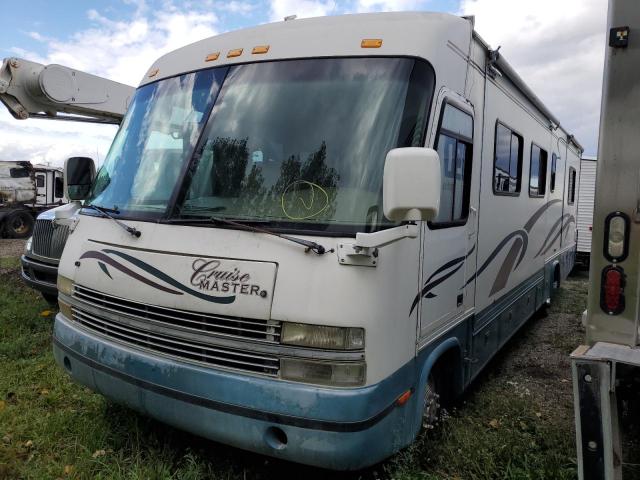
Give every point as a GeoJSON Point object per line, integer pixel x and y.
{"type": "Point", "coordinates": [371, 43]}
{"type": "Point", "coordinates": [612, 290]}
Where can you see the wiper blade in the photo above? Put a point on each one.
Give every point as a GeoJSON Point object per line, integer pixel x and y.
{"type": "Point", "coordinates": [105, 213]}
{"type": "Point", "coordinates": [308, 244]}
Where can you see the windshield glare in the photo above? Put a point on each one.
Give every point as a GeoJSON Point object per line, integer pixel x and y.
{"type": "Point", "coordinates": [299, 143]}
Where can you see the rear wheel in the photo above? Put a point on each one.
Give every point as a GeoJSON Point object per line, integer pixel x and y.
{"type": "Point", "coordinates": [19, 224]}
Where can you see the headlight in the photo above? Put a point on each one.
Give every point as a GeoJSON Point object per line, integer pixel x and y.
{"type": "Point", "coordinates": [319, 336]}
{"type": "Point", "coordinates": [65, 309]}
{"type": "Point", "coordinates": [27, 246]}
{"type": "Point", "coordinates": [338, 374]}
{"type": "Point", "coordinates": [65, 285]}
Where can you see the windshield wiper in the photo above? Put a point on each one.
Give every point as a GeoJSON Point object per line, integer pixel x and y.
{"type": "Point", "coordinates": [313, 246]}
{"type": "Point", "coordinates": [105, 213]}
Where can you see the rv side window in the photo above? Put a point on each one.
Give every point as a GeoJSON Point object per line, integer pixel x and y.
{"type": "Point", "coordinates": [19, 172]}
{"type": "Point", "coordinates": [39, 181]}
{"type": "Point", "coordinates": [454, 145]}
{"type": "Point", "coordinates": [571, 188]}
{"type": "Point", "coordinates": [58, 187]}
{"type": "Point", "coordinates": [554, 164]}
{"type": "Point", "coordinates": [507, 167]}
{"type": "Point", "coordinates": [537, 171]}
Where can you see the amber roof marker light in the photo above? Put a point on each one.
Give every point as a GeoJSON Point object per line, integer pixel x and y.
{"type": "Point", "coordinates": [234, 53]}
{"type": "Point", "coordinates": [212, 56]}
{"type": "Point", "coordinates": [260, 49]}
{"type": "Point", "coordinates": [153, 73]}
{"type": "Point", "coordinates": [371, 43]}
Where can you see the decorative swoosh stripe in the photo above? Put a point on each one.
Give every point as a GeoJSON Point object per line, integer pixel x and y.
{"type": "Point", "coordinates": [536, 216]}
{"type": "Point", "coordinates": [101, 257]}
{"type": "Point", "coordinates": [166, 278]}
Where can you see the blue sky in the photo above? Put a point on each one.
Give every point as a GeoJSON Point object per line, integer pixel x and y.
{"type": "Point", "coordinates": [557, 47]}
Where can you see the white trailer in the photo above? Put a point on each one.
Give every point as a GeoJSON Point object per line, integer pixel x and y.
{"type": "Point", "coordinates": [308, 235]}
{"type": "Point", "coordinates": [606, 369]}
{"type": "Point", "coordinates": [586, 198]}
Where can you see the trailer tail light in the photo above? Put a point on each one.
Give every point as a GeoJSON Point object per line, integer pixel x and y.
{"type": "Point", "coordinates": [612, 290]}
{"type": "Point", "coordinates": [616, 242]}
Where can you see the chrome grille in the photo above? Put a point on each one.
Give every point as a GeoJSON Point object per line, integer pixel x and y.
{"type": "Point", "coordinates": [49, 239]}
{"type": "Point", "coordinates": [217, 325]}
{"type": "Point", "coordinates": [196, 352]}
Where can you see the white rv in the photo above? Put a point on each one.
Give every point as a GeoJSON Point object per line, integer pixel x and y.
{"type": "Point", "coordinates": [586, 197]}
{"type": "Point", "coordinates": [308, 234]}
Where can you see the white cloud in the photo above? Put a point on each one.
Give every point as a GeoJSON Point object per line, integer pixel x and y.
{"type": "Point", "coordinates": [558, 49]}
{"type": "Point", "coordinates": [301, 8]}
{"type": "Point", "coordinates": [119, 50]}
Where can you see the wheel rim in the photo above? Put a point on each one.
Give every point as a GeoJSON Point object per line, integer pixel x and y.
{"type": "Point", "coordinates": [431, 405]}
{"type": "Point", "coordinates": [19, 226]}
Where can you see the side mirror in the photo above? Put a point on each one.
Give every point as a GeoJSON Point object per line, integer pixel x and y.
{"type": "Point", "coordinates": [412, 183]}
{"type": "Point", "coordinates": [79, 173]}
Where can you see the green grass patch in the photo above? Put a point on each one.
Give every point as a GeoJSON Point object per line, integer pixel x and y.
{"type": "Point", "coordinates": [506, 427]}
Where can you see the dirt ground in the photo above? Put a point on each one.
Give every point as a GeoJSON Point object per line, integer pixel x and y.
{"type": "Point", "coordinates": [11, 247]}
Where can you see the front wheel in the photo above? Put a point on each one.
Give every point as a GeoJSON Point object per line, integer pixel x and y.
{"type": "Point", "coordinates": [432, 410]}
{"type": "Point", "coordinates": [19, 224]}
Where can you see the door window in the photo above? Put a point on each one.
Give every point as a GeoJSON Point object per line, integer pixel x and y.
{"type": "Point", "coordinates": [39, 181]}
{"type": "Point", "coordinates": [454, 145]}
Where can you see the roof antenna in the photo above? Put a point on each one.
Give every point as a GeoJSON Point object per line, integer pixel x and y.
{"type": "Point", "coordinates": [290, 17]}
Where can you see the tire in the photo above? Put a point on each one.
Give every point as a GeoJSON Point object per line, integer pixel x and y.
{"type": "Point", "coordinates": [50, 298]}
{"type": "Point", "coordinates": [18, 224]}
{"type": "Point", "coordinates": [432, 410]}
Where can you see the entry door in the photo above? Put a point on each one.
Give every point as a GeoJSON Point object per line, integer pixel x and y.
{"type": "Point", "coordinates": [41, 188]}
{"type": "Point", "coordinates": [449, 240]}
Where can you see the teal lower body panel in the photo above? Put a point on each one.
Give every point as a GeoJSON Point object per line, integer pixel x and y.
{"type": "Point", "coordinates": [334, 429]}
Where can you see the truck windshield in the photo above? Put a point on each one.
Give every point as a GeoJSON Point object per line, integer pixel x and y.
{"type": "Point", "coordinates": [299, 144]}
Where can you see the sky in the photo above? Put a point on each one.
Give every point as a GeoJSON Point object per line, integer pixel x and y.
{"type": "Point", "coordinates": [557, 47]}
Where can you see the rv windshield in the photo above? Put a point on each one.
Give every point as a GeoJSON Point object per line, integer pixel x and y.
{"type": "Point", "coordinates": [298, 143]}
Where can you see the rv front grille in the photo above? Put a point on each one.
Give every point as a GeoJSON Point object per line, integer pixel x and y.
{"type": "Point", "coordinates": [183, 320]}
{"type": "Point", "coordinates": [49, 239]}
{"type": "Point", "coordinates": [182, 349]}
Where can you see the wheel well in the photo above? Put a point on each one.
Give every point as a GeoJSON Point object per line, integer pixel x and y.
{"type": "Point", "coordinates": [448, 375]}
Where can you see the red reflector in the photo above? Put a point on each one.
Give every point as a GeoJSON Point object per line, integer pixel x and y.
{"type": "Point", "coordinates": [612, 289]}
{"type": "Point", "coordinates": [404, 398]}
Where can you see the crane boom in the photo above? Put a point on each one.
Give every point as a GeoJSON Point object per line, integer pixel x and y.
{"type": "Point", "coordinates": [32, 90]}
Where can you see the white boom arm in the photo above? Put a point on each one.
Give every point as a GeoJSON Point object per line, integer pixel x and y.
{"type": "Point", "coordinates": [32, 90]}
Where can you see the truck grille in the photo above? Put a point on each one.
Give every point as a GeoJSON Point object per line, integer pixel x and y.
{"type": "Point", "coordinates": [196, 352]}
{"type": "Point", "coordinates": [49, 239]}
{"type": "Point", "coordinates": [218, 325]}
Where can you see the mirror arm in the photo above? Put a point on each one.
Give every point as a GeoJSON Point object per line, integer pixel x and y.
{"type": "Point", "coordinates": [385, 237]}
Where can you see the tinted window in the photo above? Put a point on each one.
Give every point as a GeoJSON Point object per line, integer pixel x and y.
{"type": "Point", "coordinates": [571, 188]}
{"type": "Point", "coordinates": [39, 181]}
{"type": "Point", "coordinates": [19, 172]}
{"type": "Point", "coordinates": [538, 171]}
{"type": "Point", "coordinates": [554, 166]}
{"type": "Point", "coordinates": [508, 161]}
{"type": "Point", "coordinates": [59, 187]}
{"type": "Point", "coordinates": [454, 148]}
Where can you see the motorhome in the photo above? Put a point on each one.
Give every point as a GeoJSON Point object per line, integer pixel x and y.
{"type": "Point", "coordinates": [25, 191]}
{"type": "Point", "coordinates": [586, 198]}
{"type": "Point", "coordinates": [309, 235]}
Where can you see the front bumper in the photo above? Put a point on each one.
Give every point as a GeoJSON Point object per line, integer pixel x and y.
{"type": "Point", "coordinates": [39, 275]}
{"type": "Point", "coordinates": [341, 429]}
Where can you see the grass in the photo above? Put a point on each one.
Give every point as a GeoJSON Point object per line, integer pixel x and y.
{"type": "Point", "coordinates": [512, 424]}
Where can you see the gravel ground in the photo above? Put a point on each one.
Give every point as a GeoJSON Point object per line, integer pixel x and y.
{"type": "Point", "coordinates": [10, 247]}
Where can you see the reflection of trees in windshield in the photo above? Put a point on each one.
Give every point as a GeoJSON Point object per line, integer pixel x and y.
{"type": "Point", "coordinates": [302, 189]}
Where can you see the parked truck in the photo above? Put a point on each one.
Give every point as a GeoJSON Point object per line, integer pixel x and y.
{"type": "Point", "coordinates": [606, 369]}
{"type": "Point", "coordinates": [25, 191]}
{"type": "Point", "coordinates": [54, 92]}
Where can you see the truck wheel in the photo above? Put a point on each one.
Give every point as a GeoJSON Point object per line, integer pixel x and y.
{"type": "Point", "coordinates": [50, 298]}
{"type": "Point", "coordinates": [19, 224]}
